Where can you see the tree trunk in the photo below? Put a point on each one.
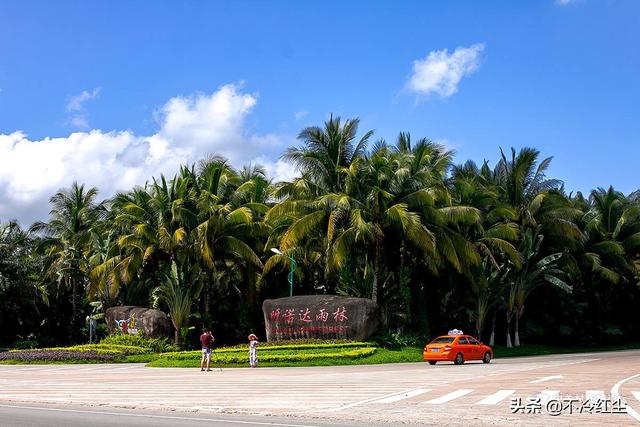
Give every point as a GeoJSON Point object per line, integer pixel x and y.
{"type": "Point", "coordinates": [73, 325]}
{"type": "Point", "coordinates": [376, 273]}
{"type": "Point", "coordinates": [74, 303]}
{"type": "Point", "coordinates": [509, 315]}
{"type": "Point", "coordinates": [492, 338]}
{"type": "Point", "coordinates": [517, 334]}
{"type": "Point", "coordinates": [176, 336]}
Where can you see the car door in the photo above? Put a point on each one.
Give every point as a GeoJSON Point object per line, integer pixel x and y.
{"type": "Point", "coordinates": [475, 348]}
{"type": "Point", "coordinates": [463, 347]}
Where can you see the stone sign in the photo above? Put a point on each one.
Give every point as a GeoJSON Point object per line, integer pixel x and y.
{"type": "Point", "coordinates": [320, 316]}
{"type": "Point", "coordinates": [132, 320]}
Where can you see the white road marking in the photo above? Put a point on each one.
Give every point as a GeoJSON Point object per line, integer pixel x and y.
{"type": "Point", "coordinates": [360, 402]}
{"type": "Point", "coordinates": [406, 395]}
{"type": "Point", "coordinates": [547, 395]}
{"type": "Point", "coordinates": [615, 394]}
{"type": "Point", "coordinates": [496, 397]}
{"type": "Point", "coordinates": [543, 379]}
{"type": "Point", "coordinates": [594, 395]}
{"type": "Point", "coordinates": [449, 397]}
{"type": "Point", "coordinates": [213, 420]}
{"type": "Point", "coordinates": [636, 394]}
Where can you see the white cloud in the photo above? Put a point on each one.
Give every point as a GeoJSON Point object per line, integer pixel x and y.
{"type": "Point", "coordinates": [76, 106]}
{"type": "Point", "coordinates": [189, 128]}
{"type": "Point", "coordinates": [300, 114]}
{"type": "Point", "coordinates": [440, 71]}
{"type": "Point", "coordinates": [278, 170]}
{"type": "Point", "coordinates": [565, 2]}
{"type": "Point", "coordinates": [76, 103]}
{"type": "Point", "coordinates": [79, 121]}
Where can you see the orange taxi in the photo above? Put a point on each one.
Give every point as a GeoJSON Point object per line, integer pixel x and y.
{"type": "Point", "coordinates": [456, 348]}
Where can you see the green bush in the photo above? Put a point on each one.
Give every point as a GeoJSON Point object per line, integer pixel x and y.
{"type": "Point", "coordinates": [241, 358]}
{"type": "Point", "coordinates": [156, 345]}
{"type": "Point", "coordinates": [396, 340]}
{"type": "Point", "coordinates": [25, 344]}
{"type": "Point", "coordinates": [124, 350]}
{"type": "Point", "coordinates": [273, 348]}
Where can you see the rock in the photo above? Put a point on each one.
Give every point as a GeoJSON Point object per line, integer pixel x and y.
{"type": "Point", "coordinates": [320, 316]}
{"type": "Point", "coordinates": [132, 320]}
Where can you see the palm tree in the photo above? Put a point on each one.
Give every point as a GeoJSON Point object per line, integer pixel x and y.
{"type": "Point", "coordinates": [179, 288]}
{"type": "Point", "coordinates": [156, 222]}
{"type": "Point", "coordinates": [67, 237]}
{"type": "Point", "coordinates": [535, 271]}
{"type": "Point", "coordinates": [328, 150]}
{"type": "Point", "coordinates": [608, 254]}
{"type": "Point", "coordinates": [18, 265]}
{"type": "Point", "coordinates": [493, 237]}
{"type": "Point", "coordinates": [612, 235]}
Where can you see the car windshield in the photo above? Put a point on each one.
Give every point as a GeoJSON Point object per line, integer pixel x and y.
{"type": "Point", "coordinates": [443, 340]}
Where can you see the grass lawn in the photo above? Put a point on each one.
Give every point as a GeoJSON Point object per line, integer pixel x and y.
{"type": "Point", "coordinates": [381, 355]}
{"type": "Point", "coordinates": [539, 349]}
{"type": "Point", "coordinates": [287, 354]}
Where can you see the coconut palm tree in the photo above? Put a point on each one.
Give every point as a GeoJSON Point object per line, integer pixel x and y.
{"type": "Point", "coordinates": [327, 150]}
{"type": "Point", "coordinates": [67, 237]}
{"type": "Point", "coordinates": [179, 289]}
{"type": "Point", "coordinates": [536, 270]}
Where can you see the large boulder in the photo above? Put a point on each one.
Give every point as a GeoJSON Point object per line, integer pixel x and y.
{"type": "Point", "coordinates": [320, 316]}
{"type": "Point", "coordinates": [132, 320]}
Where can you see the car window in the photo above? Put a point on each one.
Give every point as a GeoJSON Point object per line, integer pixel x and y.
{"type": "Point", "coordinates": [442, 340]}
{"type": "Point", "coordinates": [474, 341]}
{"type": "Point", "coordinates": [463, 340]}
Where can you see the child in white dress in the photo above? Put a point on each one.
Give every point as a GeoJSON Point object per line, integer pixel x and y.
{"type": "Point", "coordinates": [253, 350]}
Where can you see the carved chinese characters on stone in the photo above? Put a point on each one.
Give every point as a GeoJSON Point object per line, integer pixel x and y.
{"type": "Point", "coordinates": [322, 316]}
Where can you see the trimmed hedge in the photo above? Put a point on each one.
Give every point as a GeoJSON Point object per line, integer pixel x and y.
{"type": "Point", "coordinates": [156, 345]}
{"type": "Point", "coordinates": [272, 349]}
{"type": "Point", "coordinates": [241, 358]}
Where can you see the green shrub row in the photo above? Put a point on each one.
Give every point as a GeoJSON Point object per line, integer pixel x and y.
{"type": "Point", "coordinates": [229, 358]}
{"type": "Point", "coordinates": [310, 342]}
{"type": "Point", "coordinates": [186, 355]}
{"type": "Point", "coordinates": [156, 345]}
{"type": "Point", "coordinates": [296, 346]}
{"type": "Point", "coordinates": [273, 349]}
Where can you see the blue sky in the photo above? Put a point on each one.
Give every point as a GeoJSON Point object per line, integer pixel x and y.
{"type": "Point", "coordinates": [126, 82]}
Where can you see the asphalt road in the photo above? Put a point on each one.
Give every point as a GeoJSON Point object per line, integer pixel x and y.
{"type": "Point", "coordinates": [47, 416]}
{"type": "Point", "coordinates": [507, 392]}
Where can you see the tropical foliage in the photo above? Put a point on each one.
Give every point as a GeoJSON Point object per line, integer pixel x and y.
{"type": "Point", "coordinates": [436, 244]}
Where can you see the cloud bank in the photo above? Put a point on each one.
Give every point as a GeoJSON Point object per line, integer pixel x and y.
{"type": "Point", "coordinates": [31, 171]}
{"type": "Point", "coordinates": [440, 71]}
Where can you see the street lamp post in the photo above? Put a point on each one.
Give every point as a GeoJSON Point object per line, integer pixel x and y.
{"type": "Point", "coordinates": [292, 268]}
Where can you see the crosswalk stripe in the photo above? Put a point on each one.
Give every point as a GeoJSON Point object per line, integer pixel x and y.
{"type": "Point", "coordinates": [449, 397]}
{"type": "Point", "coordinates": [636, 394]}
{"type": "Point", "coordinates": [594, 395]}
{"type": "Point", "coordinates": [403, 396]}
{"type": "Point", "coordinates": [543, 379]}
{"type": "Point", "coordinates": [496, 397]}
{"type": "Point", "coordinates": [547, 395]}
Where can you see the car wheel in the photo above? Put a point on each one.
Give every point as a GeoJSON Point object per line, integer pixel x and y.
{"type": "Point", "coordinates": [432, 362]}
{"type": "Point", "coordinates": [486, 358]}
{"type": "Point", "coordinates": [459, 360]}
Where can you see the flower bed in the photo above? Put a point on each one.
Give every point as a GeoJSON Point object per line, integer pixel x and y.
{"type": "Point", "coordinates": [51, 355]}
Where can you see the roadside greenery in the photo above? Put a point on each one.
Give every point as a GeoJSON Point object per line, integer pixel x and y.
{"type": "Point", "coordinates": [500, 250]}
{"type": "Point", "coordinates": [154, 345]}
